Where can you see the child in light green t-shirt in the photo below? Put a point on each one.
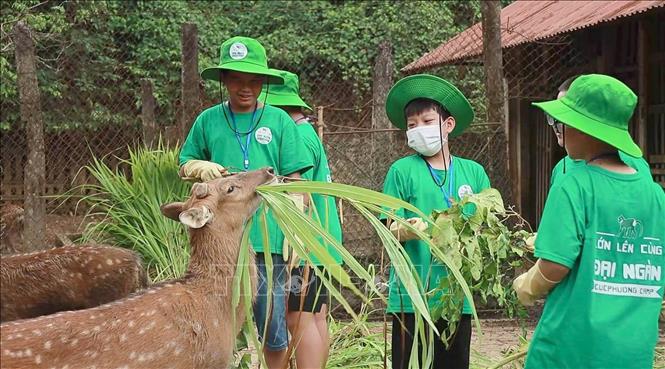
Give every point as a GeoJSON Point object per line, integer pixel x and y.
{"type": "Point", "coordinates": [431, 110]}
{"type": "Point", "coordinates": [243, 134]}
{"type": "Point", "coordinates": [600, 241]}
{"type": "Point", "coordinates": [308, 298]}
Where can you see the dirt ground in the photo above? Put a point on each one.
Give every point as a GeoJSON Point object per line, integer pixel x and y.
{"type": "Point", "coordinates": [498, 336]}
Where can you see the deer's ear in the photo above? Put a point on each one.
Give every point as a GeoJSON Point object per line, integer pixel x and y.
{"type": "Point", "coordinates": [172, 210]}
{"type": "Point", "coordinates": [196, 217]}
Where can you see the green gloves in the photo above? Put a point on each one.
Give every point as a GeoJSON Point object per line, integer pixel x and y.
{"type": "Point", "coordinates": [404, 234]}
{"type": "Point", "coordinates": [532, 285]}
{"type": "Point", "coordinates": [203, 170]}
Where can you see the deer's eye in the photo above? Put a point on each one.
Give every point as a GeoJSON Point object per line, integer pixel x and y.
{"type": "Point", "coordinates": [231, 188]}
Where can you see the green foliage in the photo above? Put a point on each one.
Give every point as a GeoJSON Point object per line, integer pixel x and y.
{"type": "Point", "coordinates": [473, 236]}
{"type": "Point", "coordinates": [130, 203]}
{"type": "Point", "coordinates": [92, 54]}
{"type": "Point", "coordinates": [305, 236]}
{"type": "Point", "coordinates": [358, 344]}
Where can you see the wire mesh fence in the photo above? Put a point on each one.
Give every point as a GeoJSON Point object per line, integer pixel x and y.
{"type": "Point", "coordinates": [363, 159]}
{"type": "Point", "coordinates": [90, 84]}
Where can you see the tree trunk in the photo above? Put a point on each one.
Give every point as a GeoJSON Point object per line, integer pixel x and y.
{"type": "Point", "coordinates": [190, 78]}
{"type": "Point", "coordinates": [493, 60]}
{"type": "Point", "coordinates": [31, 116]}
{"type": "Point", "coordinates": [381, 84]}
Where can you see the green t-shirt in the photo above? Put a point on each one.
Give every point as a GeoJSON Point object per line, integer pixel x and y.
{"type": "Point", "coordinates": [409, 179]}
{"type": "Point", "coordinates": [326, 208]}
{"type": "Point", "coordinates": [274, 142]}
{"type": "Point", "coordinates": [608, 228]}
{"type": "Point", "coordinates": [639, 164]}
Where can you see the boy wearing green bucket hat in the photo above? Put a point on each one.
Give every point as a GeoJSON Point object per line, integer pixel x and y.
{"type": "Point", "coordinates": [600, 241]}
{"type": "Point", "coordinates": [308, 297]}
{"type": "Point", "coordinates": [244, 134]}
{"type": "Point", "coordinates": [567, 164]}
{"type": "Point", "coordinates": [431, 110]}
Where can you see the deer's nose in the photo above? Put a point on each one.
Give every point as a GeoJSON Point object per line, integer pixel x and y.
{"type": "Point", "coordinates": [270, 170]}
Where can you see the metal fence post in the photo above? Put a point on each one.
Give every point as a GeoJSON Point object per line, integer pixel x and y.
{"type": "Point", "coordinates": [31, 115]}
{"type": "Point", "coordinates": [148, 113]}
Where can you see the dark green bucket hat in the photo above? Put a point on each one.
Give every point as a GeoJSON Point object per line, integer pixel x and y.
{"type": "Point", "coordinates": [600, 106]}
{"type": "Point", "coordinates": [287, 94]}
{"type": "Point", "coordinates": [427, 86]}
{"type": "Point", "coordinates": [242, 54]}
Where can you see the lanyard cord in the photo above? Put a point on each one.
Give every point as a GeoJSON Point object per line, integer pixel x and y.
{"type": "Point", "coordinates": [253, 126]}
{"type": "Point", "coordinates": [435, 177]}
{"type": "Point", "coordinates": [245, 148]}
{"type": "Point", "coordinates": [563, 133]}
{"type": "Point", "coordinates": [447, 196]}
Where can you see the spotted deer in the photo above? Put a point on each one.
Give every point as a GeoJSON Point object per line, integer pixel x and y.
{"type": "Point", "coordinates": [67, 278]}
{"type": "Point", "coordinates": [184, 323]}
{"type": "Point", "coordinates": [11, 228]}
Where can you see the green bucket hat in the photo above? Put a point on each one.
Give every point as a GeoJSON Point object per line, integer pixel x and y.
{"type": "Point", "coordinates": [600, 106]}
{"type": "Point", "coordinates": [427, 86]}
{"type": "Point", "coordinates": [287, 94]}
{"type": "Point", "coordinates": [242, 54]}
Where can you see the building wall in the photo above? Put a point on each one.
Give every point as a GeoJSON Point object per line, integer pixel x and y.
{"type": "Point", "coordinates": [613, 49]}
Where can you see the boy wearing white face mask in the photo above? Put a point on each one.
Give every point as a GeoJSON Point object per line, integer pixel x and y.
{"type": "Point", "coordinates": [431, 110]}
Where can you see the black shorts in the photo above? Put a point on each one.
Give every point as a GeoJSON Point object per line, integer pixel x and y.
{"type": "Point", "coordinates": [455, 357]}
{"type": "Point", "coordinates": [306, 293]}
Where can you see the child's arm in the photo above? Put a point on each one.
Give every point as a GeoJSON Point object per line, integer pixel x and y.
{"type": "Point", "coordinates": [553, 271]}
{"type": "Point", "coordinates": [393, 185]}
{"type": "Point", "coordinates": [195, 156]}
{"type": "Point", "coordinates": [558, 245]}
{"type": "Point", "coordinates": [539, 281]}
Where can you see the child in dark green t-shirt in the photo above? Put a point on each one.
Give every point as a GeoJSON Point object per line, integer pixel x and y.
{"type": "Point", "coordinates": [600, 241]}
{"type": "Point", "coordinates": [308, 298]}
{"type": "Point", "coordinates": [567, 163]}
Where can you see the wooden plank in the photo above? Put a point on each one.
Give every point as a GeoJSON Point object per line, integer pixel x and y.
{"type": "Point", "coordinates": [608, 36]}
{"type": "Point", "coordinates": [658, 171]}
{"type": "Point", "coordinates": [643, 82]}
{"type": "Point", "coordinates": [657, 109]}
{"type": "Point", "coordinates": [657, 159]}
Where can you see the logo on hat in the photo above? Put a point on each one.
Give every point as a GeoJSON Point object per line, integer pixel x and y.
{"type": "Point", "coordinates": [238, 51]}
{"type": "Point", "coordinates": [263, 135]}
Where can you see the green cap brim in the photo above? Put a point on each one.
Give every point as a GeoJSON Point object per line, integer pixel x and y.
{"type": "Point", "coordinates": [616, 137]}
{"type": "Point", "coordinates": [214, 73]}
{"type": "Point", "coordinates": [425, 86]}
{"type": "Point", "coordinates": [276, 99]}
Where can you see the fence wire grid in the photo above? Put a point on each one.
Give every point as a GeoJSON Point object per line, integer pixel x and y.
{"type": "Point", "coordinates": [90, 112]}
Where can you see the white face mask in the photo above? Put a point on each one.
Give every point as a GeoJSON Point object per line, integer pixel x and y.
{"type": "Point", "coordinates": [426, 139]}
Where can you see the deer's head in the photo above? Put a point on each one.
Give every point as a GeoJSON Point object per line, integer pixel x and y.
{"type": "Point", "coordinates": [228, 199]}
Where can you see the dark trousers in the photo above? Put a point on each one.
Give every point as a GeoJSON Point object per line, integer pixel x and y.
{"type": "Point", "coordinates": [455, 357]}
